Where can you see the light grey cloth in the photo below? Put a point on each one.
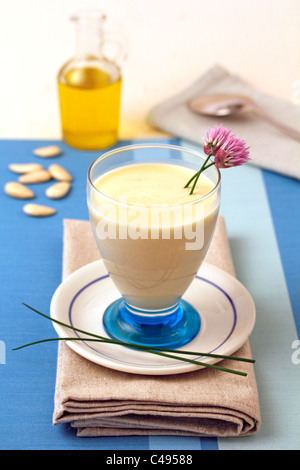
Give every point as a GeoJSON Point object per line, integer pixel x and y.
{"type": "Point", "coordinates": [269, 148]}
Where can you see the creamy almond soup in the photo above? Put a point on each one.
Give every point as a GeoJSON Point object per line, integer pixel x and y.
{"type": "Point", "coordinates": [152, 234]}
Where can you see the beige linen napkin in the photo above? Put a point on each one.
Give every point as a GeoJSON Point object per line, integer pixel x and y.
{"type": "Point", "coordinates": [270, 149]}
{"type": "Point", "coordinates": [103, 402]}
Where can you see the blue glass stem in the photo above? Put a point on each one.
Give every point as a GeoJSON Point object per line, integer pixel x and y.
{"type": "Point", "coordinates": [170, 328]}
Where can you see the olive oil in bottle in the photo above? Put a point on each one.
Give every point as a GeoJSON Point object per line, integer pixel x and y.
{"type": "Point", "coordinates": [89, 88]}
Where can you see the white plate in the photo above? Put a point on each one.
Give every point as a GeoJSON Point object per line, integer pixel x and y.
{"type": "Point", "coordinates": [226, 309]}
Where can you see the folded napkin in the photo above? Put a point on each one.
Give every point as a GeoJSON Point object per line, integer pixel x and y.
{"type": "Point", "coordinates": [98, 401]}
{"type": "Point", "coordinates": [270, 148]}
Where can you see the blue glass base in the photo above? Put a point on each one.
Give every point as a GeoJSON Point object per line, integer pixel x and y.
{"type": "Point", "coordinates": [170, 328]}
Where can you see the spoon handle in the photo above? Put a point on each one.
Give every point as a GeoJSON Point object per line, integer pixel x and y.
{"type": "Point", "coordinates": [279, 125]}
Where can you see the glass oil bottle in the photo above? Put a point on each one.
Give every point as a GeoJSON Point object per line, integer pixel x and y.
{"type": "Point", "coordinates": [89, 88]}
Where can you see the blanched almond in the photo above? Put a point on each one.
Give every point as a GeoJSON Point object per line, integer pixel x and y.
{"type": "Point", "coordinates": [58, 190]}
{"type": "Point", "coordinates": [25, 167]}
{"type": "Point", "coordinates": [18, 190]}
{"type": "Point", "coordinates": [39, 176]}
{"type": "Point", "coordinates": [38, 210]}
{"type": "Point", "coordinates": [59, 173]}
{"type": "Point", "coordinates": [49, 151]}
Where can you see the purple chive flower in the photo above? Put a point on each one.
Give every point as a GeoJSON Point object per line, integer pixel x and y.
{"type": "Point", "coordinates": [214, 139]}
{"type": "Point", "coordinates": [227, 150]}
{"type": "Point", "coordinates": [233, 152]}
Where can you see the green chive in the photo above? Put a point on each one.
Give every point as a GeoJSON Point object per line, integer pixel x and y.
{"type": "Point", "coordinates": [197, 175]}
{"type": "Point", "coordinates": [148, 349]}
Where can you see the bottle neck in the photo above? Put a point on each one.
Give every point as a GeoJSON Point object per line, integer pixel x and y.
{"type": "Point", "coordinates": [89, 40]}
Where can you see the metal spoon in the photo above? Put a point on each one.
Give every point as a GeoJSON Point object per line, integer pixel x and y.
{"type": "Point", "coordinates": [230, 104]}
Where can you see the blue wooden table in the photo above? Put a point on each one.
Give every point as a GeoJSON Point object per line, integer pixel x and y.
{"type": "Point", "coordinates": [262, 213]}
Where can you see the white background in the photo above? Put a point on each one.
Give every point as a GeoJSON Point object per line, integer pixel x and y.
{"type": "Point", "coordinates": [170, 44]}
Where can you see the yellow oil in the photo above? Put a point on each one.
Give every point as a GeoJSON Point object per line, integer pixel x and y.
{"type": "Point", "coordinates": [89, 108]}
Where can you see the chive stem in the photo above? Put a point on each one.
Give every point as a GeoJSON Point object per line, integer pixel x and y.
{"type": "Point", "coordinates": [149, 349]}
{"type": "Point", "coordinates": [197, 175]}
{"type": "Point", "coordinates": [201, 169]}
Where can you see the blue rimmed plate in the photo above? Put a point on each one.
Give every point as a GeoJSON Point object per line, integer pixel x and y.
{"type": "Point", "coordinates": [225, 306]}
